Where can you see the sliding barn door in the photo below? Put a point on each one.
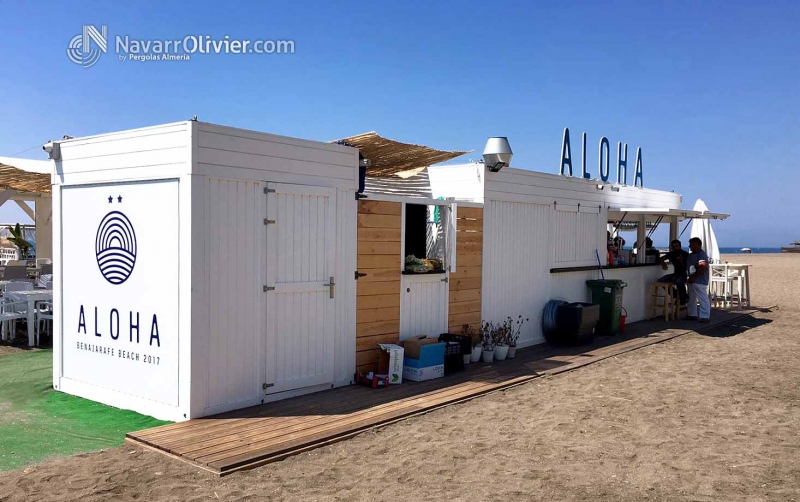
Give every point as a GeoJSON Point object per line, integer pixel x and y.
{"type": "Point", "coordinates": [301, 229]}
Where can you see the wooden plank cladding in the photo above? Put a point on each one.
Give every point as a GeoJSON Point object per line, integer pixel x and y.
{"type": "Point", "coordinates": [378, 292]}
{"type": "Point", "coordinates": [465, 283]}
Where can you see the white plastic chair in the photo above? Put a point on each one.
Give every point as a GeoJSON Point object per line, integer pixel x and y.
{"type": "Point", "coordinates": [11, 312]}
{"type": "Point", "coordinates": [43, 313]}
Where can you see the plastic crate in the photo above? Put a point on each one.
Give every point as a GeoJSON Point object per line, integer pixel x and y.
{"type": "Point", "coordinates": [456, 346]}
{"type": "Point", "coordinates": [464, 341]}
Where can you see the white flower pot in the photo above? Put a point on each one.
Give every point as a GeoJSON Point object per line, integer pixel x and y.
{"type": "Point", "coordinates": [488, 356]}
{"type": "Point", "coordinates": [512, 351]}
{"type": "Point", "coordinates": [500, 352]}
{"type": "Point", "coordinates": [476, 354]}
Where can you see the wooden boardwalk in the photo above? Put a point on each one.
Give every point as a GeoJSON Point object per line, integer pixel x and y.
{"type": "Point", "coordinates": [258, 435]}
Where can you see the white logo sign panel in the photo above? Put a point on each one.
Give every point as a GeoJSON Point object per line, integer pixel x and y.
{"type": "Point", "coordinates": [120, 280]}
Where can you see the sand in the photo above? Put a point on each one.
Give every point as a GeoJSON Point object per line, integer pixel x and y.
{"type": "Point", "coordinates": [701, 417]}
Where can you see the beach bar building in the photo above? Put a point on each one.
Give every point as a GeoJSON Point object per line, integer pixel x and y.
{"type": "Point", "coordinates": [200, 268]}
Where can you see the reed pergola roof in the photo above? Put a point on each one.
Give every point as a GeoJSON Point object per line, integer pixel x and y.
{"type": "Point", "coordinates": [389, 157]}
{"type": "Point", "coordinates": [18, 180]}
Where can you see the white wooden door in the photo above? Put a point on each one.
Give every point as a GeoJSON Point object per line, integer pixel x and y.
{"type": "Point", "coordinates": [423, 305]}
{"type": "Point", "coordinates": [301, 229]}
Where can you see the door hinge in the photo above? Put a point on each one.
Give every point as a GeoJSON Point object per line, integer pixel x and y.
{"type": "Point", "coordinates": [359, 274]}
{"type": "Point", "coordinates": [269, 222]}
{"type": "Point", "coordinates": [269, 288]}
{"type": "Point", "coordinates": [269, 190]}
{"type": "Point", "coordinates": [445, 280]}
{"type": "Point", "coordinates": [266, 386]}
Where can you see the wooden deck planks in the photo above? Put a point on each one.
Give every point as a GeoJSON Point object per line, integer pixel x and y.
{"type": "Point", "coordinates": [254, 436]}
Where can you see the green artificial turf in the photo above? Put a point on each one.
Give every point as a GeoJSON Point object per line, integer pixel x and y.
{"type": "Point", "coordinates": [37, 422]}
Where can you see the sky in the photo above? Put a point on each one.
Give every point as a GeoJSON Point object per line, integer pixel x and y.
{"type": "Point", "coordinates": [709, 90]}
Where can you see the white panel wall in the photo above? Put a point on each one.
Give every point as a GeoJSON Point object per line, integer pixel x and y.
{"type": "Point", "coordinates": [240, 154]}
{"type": "Point", "coordinates": [577, 232]}
{"type": "Point", "coordinates": [346, 253]}
{"type": "Point", "coordinates": [516, 263]}
{"type": "Point", "coordinates": [151, 153]}
{"type": "Point", "coordinates": [536, 221]}
{"type": "Point", "coordinates": [235, 239]}
{"type": "Point", "coordinates": [147, 153]}
{"type": "Point", "coordinates": [571, 286]}
{"type": "Point", "coordinates": [461, 181]}
{"type": "Point", "coordinates": [565, 235]}
{"type": "Point", "coordinates": [531, 186]}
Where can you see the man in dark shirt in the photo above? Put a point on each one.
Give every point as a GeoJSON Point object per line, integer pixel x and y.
{"type": "Point", "coordinates": [678, 258]}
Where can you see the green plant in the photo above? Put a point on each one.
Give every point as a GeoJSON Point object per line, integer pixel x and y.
{"type": "Point", "coordinates": [18, 239]}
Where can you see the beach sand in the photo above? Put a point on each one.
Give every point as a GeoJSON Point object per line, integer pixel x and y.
{"type": "Point", "coordinates": [696, 418]}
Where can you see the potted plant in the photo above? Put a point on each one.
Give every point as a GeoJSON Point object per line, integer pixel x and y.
{"type": "Point", "coordinates": [477, 345]}
{"type": "Point", "coordinates": [487, 342]}
{"type": "Point", "coordinates": [18, 239]}
{"type": "Point", "coordinates": [516, 330]}
{"type": "Point", "coordinates": [500, 338]}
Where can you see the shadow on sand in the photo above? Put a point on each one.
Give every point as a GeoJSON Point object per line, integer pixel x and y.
{"type": "Point", "coordinates": [734, 328]}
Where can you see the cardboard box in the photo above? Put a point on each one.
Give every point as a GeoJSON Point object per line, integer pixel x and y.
{"type": "Point", "coordinates": [422, 374]}
{"type": "Point", "coordinates": [390, 362]}
{"type": "Point", "coordinates": [413, 346]}
{"type": "Point", "coordinates": [431, 354]}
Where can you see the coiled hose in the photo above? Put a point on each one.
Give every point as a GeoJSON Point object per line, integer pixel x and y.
{"type": "Point", "coordinates": [550, 317]}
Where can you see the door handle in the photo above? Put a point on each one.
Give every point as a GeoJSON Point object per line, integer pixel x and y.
{"type": "Point", "coordinates": [331, 284]}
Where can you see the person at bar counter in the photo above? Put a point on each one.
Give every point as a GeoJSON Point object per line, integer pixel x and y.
{"type": "Point", "coordinates": [649, 250]}
{"type": "Point", "coordinates": [697, 282]}
{"type": "Point", "coordinates": [678, 258]}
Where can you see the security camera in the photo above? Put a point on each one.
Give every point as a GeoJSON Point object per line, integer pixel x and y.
{"type": "Point", "coordinates": [53, 150]}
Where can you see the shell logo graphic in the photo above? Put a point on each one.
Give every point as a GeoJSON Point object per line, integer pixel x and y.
{"type": "Point", "coordinates": [115, 247]}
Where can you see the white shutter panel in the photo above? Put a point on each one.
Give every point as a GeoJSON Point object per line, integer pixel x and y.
{"type": "Point", "coordinates": [452, 218]}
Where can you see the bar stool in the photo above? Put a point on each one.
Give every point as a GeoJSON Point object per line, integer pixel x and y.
{"type": "Point", "coordinates": [662, 299]}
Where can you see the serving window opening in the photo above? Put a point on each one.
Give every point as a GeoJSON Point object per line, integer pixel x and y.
{"type": "Point", "coordinates": [426, 243]}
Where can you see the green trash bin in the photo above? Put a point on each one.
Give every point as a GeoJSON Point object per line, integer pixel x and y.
{"type": "Point", "coordinates": [608, 294]}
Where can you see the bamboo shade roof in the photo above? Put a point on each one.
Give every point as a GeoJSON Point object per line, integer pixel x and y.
{"type": "Point", "coordinates": [390, 157]}
{"type": "Point", "coordinates": [23, 181]}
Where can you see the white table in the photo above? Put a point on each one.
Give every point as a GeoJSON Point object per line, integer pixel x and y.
{"type": "Point", "coordinates": [31, 297]}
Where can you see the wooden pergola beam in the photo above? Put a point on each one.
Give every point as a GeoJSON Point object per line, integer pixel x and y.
{"type": "Point", "coordinates": [25, 207]}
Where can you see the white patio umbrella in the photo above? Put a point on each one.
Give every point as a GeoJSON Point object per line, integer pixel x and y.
{"type": "Point", "coordinates": [702, 228]}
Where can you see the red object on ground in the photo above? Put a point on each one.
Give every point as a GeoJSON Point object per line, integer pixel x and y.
{"type": "Point", "coordinates": [610, 258]}
{"type": "Point", "coordinates": [622, 318]}
{"type": "Point", "coordinates": [376, 382]}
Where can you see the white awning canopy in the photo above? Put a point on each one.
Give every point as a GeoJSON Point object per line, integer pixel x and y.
{"type": "Point", "coordinates": [655, 213]}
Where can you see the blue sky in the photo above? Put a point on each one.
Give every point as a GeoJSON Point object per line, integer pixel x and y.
{"type": "Point", "coordinates": [709, 90]}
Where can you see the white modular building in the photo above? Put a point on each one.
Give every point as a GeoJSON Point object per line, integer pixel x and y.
{"type": "Point", "coordinates": [200, 268]}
